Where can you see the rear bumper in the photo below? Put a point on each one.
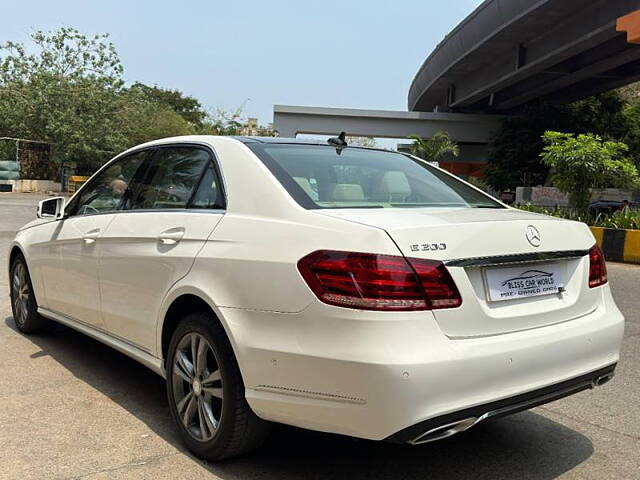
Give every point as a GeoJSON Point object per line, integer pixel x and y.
{"type": "Point", "coordinates": [380, 376]}
{"type": "Point", "coordinates": [447, 425]}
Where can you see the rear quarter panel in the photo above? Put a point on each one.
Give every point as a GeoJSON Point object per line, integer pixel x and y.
{"type": "Point", "coordinates": [250, 260]}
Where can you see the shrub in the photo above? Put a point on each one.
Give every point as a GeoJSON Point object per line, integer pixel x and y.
{"type": "Point", "coordinates": [624, 219]}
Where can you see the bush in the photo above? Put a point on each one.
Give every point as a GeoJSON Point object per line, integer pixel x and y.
{"type": "Point", "coordinates": [625, 219]}
{"type": "Point", "coordinates": [582, 162]}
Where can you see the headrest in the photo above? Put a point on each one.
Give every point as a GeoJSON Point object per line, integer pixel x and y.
{"type": "Point", "coordinates": [347, 192]}
{"type": "Point", "coordinates": [394, 182]}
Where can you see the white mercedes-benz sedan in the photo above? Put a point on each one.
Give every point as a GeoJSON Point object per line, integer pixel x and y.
{"type": "Point", "coordinates": [357, 291]}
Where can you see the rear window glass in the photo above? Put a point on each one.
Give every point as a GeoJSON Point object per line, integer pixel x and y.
{"type": "Point", "coordinates": [319, 176]}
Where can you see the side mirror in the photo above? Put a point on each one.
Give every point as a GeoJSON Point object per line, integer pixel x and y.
{"type": "Point", "coordinates": [51, 208]}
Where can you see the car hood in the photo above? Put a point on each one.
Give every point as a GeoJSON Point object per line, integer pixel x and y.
{"type": "Point", "coordinates": [35, 223]}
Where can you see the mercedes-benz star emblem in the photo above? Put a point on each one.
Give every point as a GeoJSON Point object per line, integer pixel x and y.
{"type": "Point", "coordinates": [533, 236]}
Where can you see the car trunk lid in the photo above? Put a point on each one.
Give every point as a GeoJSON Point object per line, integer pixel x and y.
{"type": "Point", "coordinates": [482, 248]}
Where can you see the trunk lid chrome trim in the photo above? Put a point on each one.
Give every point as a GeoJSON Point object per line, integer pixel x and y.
{"type": "Point", "coordinates": [517, 258]}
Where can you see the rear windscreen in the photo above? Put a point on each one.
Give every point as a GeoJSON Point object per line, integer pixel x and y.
{"type": "Point", "coordinates": [319, 176]}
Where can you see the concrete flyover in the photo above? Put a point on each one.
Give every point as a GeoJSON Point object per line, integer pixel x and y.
{"type": "Point", "coordinates": [471, 132]}
{"type": "Point", "coordinates": [292, 120]}
{"type": "Point", "coordinates": [508, 53]}
{"type": "Point", "coordinates": [504, 55]}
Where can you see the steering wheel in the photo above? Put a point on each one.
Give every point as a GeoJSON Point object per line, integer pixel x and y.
{"type": "Point", "coordinates": [89, 209]}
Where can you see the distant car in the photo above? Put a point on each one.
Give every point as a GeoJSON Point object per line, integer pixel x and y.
{"type": "Point", "coordinates": [349, 290]}
{"type": "Point", "coordinates": [607, 207]}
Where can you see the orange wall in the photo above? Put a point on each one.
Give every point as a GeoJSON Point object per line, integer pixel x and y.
{"type": "Point", "coordinates": [464, 169]}
{"type": "Point", "coordinates": [630, 24]}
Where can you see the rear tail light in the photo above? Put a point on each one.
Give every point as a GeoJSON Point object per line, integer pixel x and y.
{"type": "Point", "coordinates": [379, 282]}
{"type": "Point", "coordinates": [597, 267]}
{"type": "Point", "coordinates": [437, 285]}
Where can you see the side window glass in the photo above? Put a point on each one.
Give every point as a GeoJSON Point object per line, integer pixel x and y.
{"type": "Point", "coordinates": [107, 191]}
{"type": "Point", "coordinates": [171, 179]}
{"type": "Point", "coordinates": [208, 195]}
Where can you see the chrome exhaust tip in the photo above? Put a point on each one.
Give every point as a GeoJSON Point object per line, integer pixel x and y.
{"type": "Point", "coordinates": [501, 408]}
{"type": "Point", "coordinates": [445, 431]}
{"type": "Point", "coordinates": [602, 379]}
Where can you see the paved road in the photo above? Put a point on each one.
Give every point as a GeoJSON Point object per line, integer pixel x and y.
{"type": "Point", "coordinates": [73, 408]}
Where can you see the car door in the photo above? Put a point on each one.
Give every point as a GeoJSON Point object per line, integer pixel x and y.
{"type": "Point", "coordinates": [71, 277]}
{"type": "Point", "coordinates": [153, 244]}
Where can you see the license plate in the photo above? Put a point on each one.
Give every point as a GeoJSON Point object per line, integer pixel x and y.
{"type": "Point", "coordinates": [523, 281]}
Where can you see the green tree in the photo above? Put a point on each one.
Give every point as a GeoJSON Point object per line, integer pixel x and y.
{"type": "Point", "coordinates": [143, 119]}
{"type": "Point", "coordinates": [631, 93]}
{"type": "Point", "coordinates": [584, 161]}
{"type": "Point", "coordinates": [70, 92]}
{"type": "Point", "coordinates": [63, 53]}
{"type": "Point", "coordinates": [632, 136]}
{"type": "Point", "coordinates": [514, 152]}
{"type": "Point", "coordinates": [67, 89]}
{"type": "Point", "coordinates": [434, 148]}
{"type": "Point", "coordinates": [64, 93]}
{"type": "Point", "coordinates": [222, 122]}
{"type": "Point", "coordinates": [187, 107]}
{"type": "Point", "coordinates": [367, 142]}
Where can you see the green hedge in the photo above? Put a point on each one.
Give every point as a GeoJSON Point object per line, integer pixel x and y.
{"type": "Point", "coordinates": [626, 219]}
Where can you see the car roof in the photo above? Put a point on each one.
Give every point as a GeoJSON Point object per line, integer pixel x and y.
{"type": "Point", "coordinates": [245, 140]}
{"type": "Point", "coordinates": [299, 141]}
{"type": "Point", "coordinates": [303, 141]}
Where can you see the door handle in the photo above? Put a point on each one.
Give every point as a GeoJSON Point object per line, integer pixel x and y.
{"type": "Point", "coordinates": [172, 236]}
{"type": "Point", "coordinates": [91, 236]}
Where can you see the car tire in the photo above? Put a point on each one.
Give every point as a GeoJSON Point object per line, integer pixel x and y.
{"type": "Point", "coordinates": [206, 397]}
{"type": "Point", "coordinates": [23, 300]}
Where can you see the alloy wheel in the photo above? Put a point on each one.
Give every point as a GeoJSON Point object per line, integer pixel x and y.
{"type": "Point", "coordinates": [197, 386]}
{"type": "Point", "coordinates": [20, 293]}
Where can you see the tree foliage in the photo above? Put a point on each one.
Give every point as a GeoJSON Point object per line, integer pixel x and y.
{"type": "Point", "coordinates": [143, 119]}
{"type": "Point", "coordinates": [631, 93]}
{"type": "Point", "coordinates": [68, 89]}
{"type": "Point", "coordinates": [64, 93]}
{"type": "Point", "coordinates": [187, 107]}
{"type": "Point", "coordinates": [632, 136]}
{"type": "Point", "coordinates": [434, 148]}
{"type": "Point", "coordinates": [63, 54]}
{"type": "Point", "coordinates": [584, 161]}
{"type": "Point", "coordinates": [223, 122]}
{"type": "Point", "coordinates": [514, 157]}
{"type": "Point", "coordinates": [367, 142]}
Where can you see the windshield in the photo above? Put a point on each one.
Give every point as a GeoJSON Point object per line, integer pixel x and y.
{"type": "Point", "coordinates": [319, 176]}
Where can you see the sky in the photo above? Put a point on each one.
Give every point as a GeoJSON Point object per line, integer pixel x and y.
{"type": "Point", "coordinates": [352, 54]}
